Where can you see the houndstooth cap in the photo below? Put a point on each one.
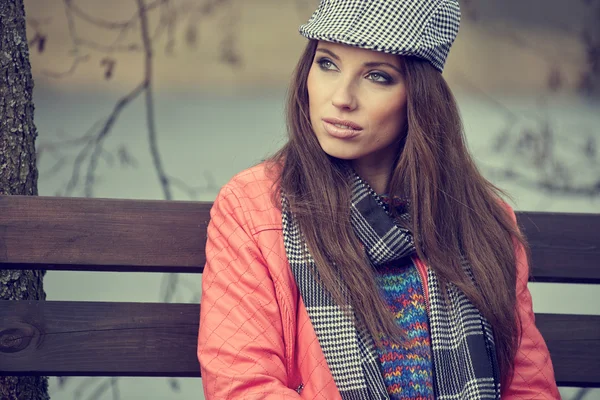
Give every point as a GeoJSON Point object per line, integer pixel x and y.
{"type": "Point", "coordinates": [421, 28]}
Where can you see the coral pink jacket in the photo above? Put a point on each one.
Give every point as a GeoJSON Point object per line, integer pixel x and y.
{"type": "Point", "coordinates": [256, 340]}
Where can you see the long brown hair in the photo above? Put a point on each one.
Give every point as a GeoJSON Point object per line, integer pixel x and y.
{"type": "Point", "coordinates": [454, 210]}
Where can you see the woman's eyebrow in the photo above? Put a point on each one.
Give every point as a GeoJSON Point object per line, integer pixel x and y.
{"type": "Point", "coordinates": [331, 53]}
{"type": "Point", "coordinates": [379, 64]}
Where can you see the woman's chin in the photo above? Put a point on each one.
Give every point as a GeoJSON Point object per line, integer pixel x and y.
{"type": "Point", "coordinates": [341, 155]}
{"type": "Point", "coordinates": [340, 152]}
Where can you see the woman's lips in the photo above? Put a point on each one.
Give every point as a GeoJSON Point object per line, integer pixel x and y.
{"type": "Point", "coordinates": [341, 129]}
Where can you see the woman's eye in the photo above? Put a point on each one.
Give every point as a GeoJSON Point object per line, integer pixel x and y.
{"type": "Point", "coordinates": [379, 77]}
{"type": "Point", "coordinates": [326, 64]}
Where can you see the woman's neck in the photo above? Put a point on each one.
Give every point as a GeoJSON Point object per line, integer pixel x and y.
{"type": "Point", "coordinates": [377, 175]}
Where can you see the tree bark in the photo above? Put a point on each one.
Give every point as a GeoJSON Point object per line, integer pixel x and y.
{"type": "Point", "coordinates": [18, 172]}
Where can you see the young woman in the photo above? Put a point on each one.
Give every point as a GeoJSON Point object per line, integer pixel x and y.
{"type": "Point", "coordinates": [369, 259]}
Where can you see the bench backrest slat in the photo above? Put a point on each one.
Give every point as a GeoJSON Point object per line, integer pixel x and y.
{"type": "Point", "coordinates": [574, 344]}
{"type": "Point", "coordinates": [158, 339]}
{"type": "Point", "coordinates": [159, 236]}
{"type": "Point", "coordinates": [102, 234]}
{"type": "Point", "coordinates": [61, 338]}
{"type": "Point", "coordinates": [565, 247]}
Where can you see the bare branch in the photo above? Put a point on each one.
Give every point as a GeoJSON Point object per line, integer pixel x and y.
{"type": "Point", "coordinates": [62, 380]}
{"type": "Point", "coordinates": [189, 285]}
{"type": "Point", "coordinates": [115, 388]}
{"type": "Point", "coordinates": [101, 136]}
{"type": "Point", "coordinates": [109, 64]}
{"type": "Point", "coordinates": [170, 283]}
{"type": "Point", "coordinates": [112, 25]}
{"type": "Point", "coordinates": [194, 192]}
{"type": "Point", "coordinates": [581, 393]}
{"type": "Point", "coordinates": [174, 384]}
{"type": "Point", "coordinates": [84, 385]}
{"type": "Point", "coordinates": [168, 19]}
{"type": "Point", "coordinates": [59, 75]}
{"type": "Point", "coordinates": [38, 42]}
{"type": "Point", "coordinates": [52, 147]}
{"type": "Point", "coordinates": [36, 23]}
{"type": "Point", "coordinates": [100, 390]}
{"type": "Point", "coordinates": [86, 140]}
{"type": "Point", "coordinates": [547, 185]}
{"type": "Point", "coordinates": [71, 12]}
{"type": "Point", "coordinates": [39, 38]}
{"type": "Point", "coordinates": [229, 55]}
{"type": "Point", "coordinates": [537, 150]}
{"type": "Point", "coordinates": [112, 48]}
{"type": "Point", "coordinates": [150, 115]}
{"type": "Point", "coordinates": [81, 156]}
{"type": "Point", "coordinates": [589, 82]}
{"type": "Point", "coordinates": [126, 158]}
{"type": "Point", "coordinates": [58, 165]}
{"type": "Point", "coordinates": [99, 22]}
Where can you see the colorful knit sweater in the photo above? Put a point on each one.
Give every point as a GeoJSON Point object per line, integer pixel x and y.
{"type": "Point", "coordinates": [406, 366]}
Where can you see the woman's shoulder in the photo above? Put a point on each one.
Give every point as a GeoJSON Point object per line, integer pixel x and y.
{"type": "Point", "coordinates": [256, 192]}
{"type": "Point", "coordinates": [258, 180]}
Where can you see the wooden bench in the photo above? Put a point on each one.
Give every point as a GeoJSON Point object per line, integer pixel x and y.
{"type": "Point", "coordinates": [64, 338]}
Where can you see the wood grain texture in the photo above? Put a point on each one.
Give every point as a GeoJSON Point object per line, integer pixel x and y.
{"type": "Point", "coordinates": [159, 236]}
{"type": "Point", "coordinates": [102, 234]}
{"type": "Point", "coordinates": [565, 247]}
{"type": "Point", "coordinates": [574, 344]}
{"type": "Point", "coordinates": [150, 339]}
{"type": "Point", "coordinates": [98, 339]}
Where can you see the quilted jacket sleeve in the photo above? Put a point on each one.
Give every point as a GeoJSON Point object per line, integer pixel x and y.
{"type": "Point", "coordinates": [240, 344]}
{"type": "Point", "coordinates": [533, 372]}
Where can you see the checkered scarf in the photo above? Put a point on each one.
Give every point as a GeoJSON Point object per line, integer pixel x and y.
{"type": "Point", "coordinates": [462, 341]}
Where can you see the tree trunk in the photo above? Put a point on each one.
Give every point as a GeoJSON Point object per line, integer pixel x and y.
{"type": "Point", "coordinates": [18, 172]}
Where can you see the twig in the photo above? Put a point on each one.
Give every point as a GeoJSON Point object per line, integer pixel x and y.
{"type": "Point", "coordinates": [581, 393]}
{"type": "Point", "coordinates": [168, 19]}
{"type": "Point", "coordinates": [111, 25]}
{"type": "Point", "coordinates": [150, 116]}
{"type": "Point", "coordinates": [51, 147]}
{"type": "Point", "coordinates": [115, 388]}
{"type": "Point", "coordinates": [81, 387]}
{"type": "Point", "coordinates": [70, 71]}
{"type": "Point", "coordinates": [101, 136]}
{"type": "Point", "coordinates": [193, 192]}
{"type": "Point", "coordinates": [99, 22]}
{"type": "Point", "coordinates": [58, 165]}
{"type": "Point", "coordinates": [170, 283]}
{"type": "Point", "coordinates": [548, 185]}
{"type": "Point", "coordinates": [71, 11]}
{"type": "Point", "coordinates": [103, 387]}
{"type": "Point", "coordinates": [81, 156]}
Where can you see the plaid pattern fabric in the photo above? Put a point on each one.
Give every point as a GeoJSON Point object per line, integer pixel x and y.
{"type": "Point", "coordinates": [335, 327]}
{"type": "Point", "coordinates": [422, 28]}
{"type": "Point", "coordinates": [462, 341]}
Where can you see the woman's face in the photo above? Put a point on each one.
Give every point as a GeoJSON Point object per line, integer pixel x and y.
{"type": "Point", "coordinates": [357, 101]}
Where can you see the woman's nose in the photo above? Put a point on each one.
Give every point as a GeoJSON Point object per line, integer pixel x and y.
{"type": "Point", "coordinates": [344, 96]}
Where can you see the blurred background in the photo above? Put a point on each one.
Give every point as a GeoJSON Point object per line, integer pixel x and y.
{"type": "Point", "coordinates": [168, 99]}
